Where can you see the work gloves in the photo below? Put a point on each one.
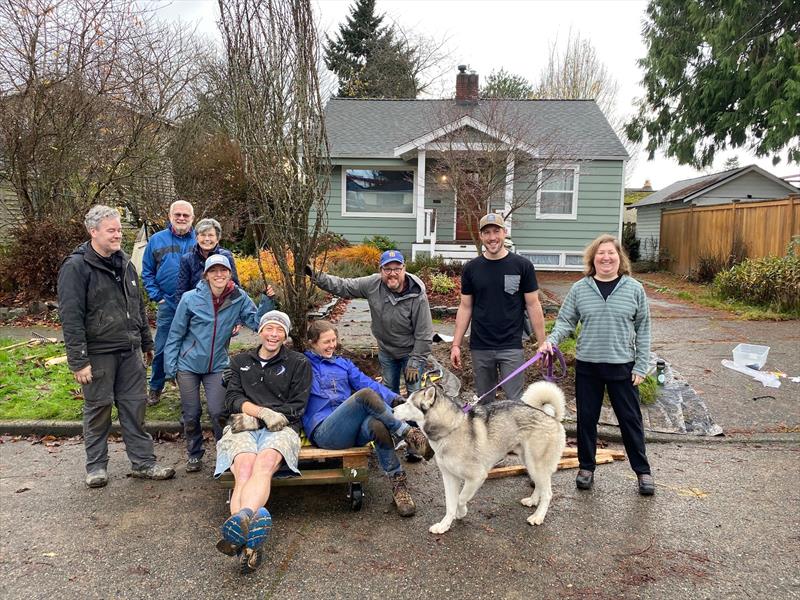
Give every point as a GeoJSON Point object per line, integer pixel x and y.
{"type": "Point", "coordinates": [273, 420]}
{"type": "Point", "coordinates": [413, 368]}
{"type": "Point", "coordinates": [308, 270]}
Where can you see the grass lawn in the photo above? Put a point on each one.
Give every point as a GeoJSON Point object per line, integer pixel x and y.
{"type": "Point", "coordinates": [29, 390]}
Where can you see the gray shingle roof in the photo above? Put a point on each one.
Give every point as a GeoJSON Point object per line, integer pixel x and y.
{"type": "Point", "coordinates": [374, 128]}
{"type": "Point", "coordinates": [681, 190]}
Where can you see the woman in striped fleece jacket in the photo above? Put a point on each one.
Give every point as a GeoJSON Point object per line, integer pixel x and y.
{"type": "Point", "coordinates": [613, 353]}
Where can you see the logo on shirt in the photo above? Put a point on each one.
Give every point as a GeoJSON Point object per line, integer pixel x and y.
{"type": "Point", "coordinates": [245, 368]}
{"type": "Point", "coordinates": [281, 370]}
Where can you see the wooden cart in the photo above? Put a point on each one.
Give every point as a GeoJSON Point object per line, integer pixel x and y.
{"type": "Point", "coordinates": [323, 467]}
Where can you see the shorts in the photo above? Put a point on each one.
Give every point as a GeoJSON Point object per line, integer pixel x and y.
{"type": "Point", "coordinates": [286, 441]}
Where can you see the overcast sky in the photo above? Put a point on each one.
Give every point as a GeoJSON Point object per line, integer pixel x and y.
{"type": "Point", "coordinates": [516, 35]}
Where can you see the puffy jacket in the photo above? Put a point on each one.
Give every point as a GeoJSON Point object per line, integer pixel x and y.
{"type": "Point", "coordinates": [335, 380]}
{"type": "Point", "coordinates": [192, 264]}
{"type": "Point", "coordinates": [401, 324]}
{"type": "Point", "coordinates": [198, 338]}
{"type": "Point", "coordinates": [160, 263]}
{"type": "Point", "coordinates": [282, 384]}
{"type": "Point", "coordinates": [99, 313]}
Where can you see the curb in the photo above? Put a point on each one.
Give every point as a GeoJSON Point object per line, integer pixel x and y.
{"type": "Point", "coordinates": [606, 433]}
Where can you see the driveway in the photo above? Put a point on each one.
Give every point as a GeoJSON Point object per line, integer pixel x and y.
{"type": "Point", "coordinates": [708, 532]}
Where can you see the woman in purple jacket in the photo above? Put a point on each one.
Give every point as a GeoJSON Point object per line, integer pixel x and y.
{"type": "Point", "coordinates": [346, 408]}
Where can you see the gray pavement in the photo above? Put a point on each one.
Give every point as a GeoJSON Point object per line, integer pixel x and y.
{"type": "Point", "coordinates": [709, 532]}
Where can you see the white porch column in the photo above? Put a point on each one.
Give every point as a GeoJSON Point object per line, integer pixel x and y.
{"type": "Point", "coordinates": [509, 194]}
{"type": "Point", "coordinates": [420, 196]}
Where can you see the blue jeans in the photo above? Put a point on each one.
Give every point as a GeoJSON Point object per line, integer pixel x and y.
{"type": "Point", "coordinates": [391, 371]}
{"type": "Point", "coordinates": [166, 312]}
{"type": "Point", "coordinates": [360, 419]}
{"type": "Point", "coordinates": [192, 408]}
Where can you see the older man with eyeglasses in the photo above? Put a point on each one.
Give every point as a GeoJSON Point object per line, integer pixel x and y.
{"type": "Point", "coordinates": [401, 316]}
{"type": "Point", "coordinates": [160, 266]}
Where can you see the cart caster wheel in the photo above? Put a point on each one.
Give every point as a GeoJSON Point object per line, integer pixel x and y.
{"type": "Point", "coordinates": [356, 496]}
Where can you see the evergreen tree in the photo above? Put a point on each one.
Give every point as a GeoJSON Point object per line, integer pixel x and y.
{"type": "Point", "coordinates": [721, 74]}
{"type": "Point", "coordinates": [368, 59]}
{"type": "Point", "coordinates": [502, 84]}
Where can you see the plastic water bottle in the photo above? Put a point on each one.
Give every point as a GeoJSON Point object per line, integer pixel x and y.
{"type": "Point", "coordinates": [661, 378]}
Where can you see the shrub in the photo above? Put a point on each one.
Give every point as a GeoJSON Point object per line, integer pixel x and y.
{"type": "Point", "coordinates": [629, 241]}
{"type": "Point", "coordinates": [435, 264]}
{"type": "Point", "coordinates": [331, 241]}
{"type": "Point", "coordinates": [442, 284]}
{"type": "Point", "coordinates": [354, 261]}
{"type": "Point", "coordinates": [772, 281]}
{"type": "Point", "coordinates": [381, 242]}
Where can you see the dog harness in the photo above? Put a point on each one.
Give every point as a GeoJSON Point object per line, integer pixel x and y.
{"type": "Point", "coordinates": [547, 373]}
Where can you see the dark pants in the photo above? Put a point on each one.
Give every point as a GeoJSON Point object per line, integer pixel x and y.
{"type": "Point", "coordinates": [192, 408]}
{"type": "Point", "coordinates": [166, 312]}
{"type": "Point", "coordinates": [624, 398]}
{"type": "Point", "coordinates": [117, 379]}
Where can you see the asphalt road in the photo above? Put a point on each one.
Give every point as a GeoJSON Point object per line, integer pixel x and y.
{"type": "Point", "coordinates": [723, 523]}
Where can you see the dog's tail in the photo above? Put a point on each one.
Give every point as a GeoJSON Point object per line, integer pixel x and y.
{"type": "Point", "coordinates": [547, 397]}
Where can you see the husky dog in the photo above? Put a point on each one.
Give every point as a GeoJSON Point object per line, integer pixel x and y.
{"type": "Point", "coordinates": [468, 445]}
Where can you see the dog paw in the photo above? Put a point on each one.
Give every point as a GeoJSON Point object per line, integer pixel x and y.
{"type": "Point", "coordinates": [461, 512]}
{"type": "Point", "coordinates": [439, 527]}
{"type": "Point", "coordinates": [528, 501]}
{"type": "Point", "coordinates": [535, 519]}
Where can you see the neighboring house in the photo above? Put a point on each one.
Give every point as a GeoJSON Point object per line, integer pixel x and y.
{"type": "Point", "coordinates": [749, 184]}
{"type": "Point", "coordinates": [632, 196]}
{"type": "Point", "coordinates": [385, 181]}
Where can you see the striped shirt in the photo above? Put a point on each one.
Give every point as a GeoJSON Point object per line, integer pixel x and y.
{"type": "Point", "coordinates": [615, 330]}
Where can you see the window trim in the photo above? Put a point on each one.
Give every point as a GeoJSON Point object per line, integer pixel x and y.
{"type": "Point", "coordinates": [373, 215]}
{"type": "Point", "coordinates": [571, 216]}
{"type": "Point", "coordinates": [562, 264]}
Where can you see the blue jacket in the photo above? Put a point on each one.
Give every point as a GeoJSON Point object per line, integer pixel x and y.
{"type": "Point", "coordinates": [198, 338]}
{"type": "Point", "coordinates": [192, 265]}
{"type": "Point", "coordinates": [162, 256]}
{"type": "Point", "coordinates": [333, 381]}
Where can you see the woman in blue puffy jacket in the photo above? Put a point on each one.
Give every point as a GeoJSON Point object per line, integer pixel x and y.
{"type": "Point", "coordinates": [197, 347]}
{"type": "Point", "coordinates": [347, 408]}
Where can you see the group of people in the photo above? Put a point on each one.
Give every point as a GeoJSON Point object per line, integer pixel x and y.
{"type": "Point", "coordinates": [260, 401]}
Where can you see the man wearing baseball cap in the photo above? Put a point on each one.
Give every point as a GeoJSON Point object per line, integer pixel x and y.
{"type": "Point", "coordinates": [497, 288]}
{"type": "Point", "coordinates": [267, 394]}
{"type": "Point", "coordinates": [401, 316]}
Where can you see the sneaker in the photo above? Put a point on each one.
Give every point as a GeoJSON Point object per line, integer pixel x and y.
{"type": "Point", "coordinates": [97, 478]}
{"type": "Point", "coordinates": [402, 497]}
{"type": "Point", "coordinates": [194, 464]}
{"type": "Point", "coordinates": [418, 443]}
{"type": "Point", "coordinates": [234, 532]}
{"type": "Point", "coordinates": [153, 397]}
{"type": "Point", "coordinates": [258, 531]}
{"type": "Point", "coordinates": [584, 480]}
{"type": "Point", "coordinates": [647, 485]}
{"type": "Point", "coordinates": [153, 472]}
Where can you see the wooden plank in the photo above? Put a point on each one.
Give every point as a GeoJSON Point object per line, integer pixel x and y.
{"type": "Point", "coordinates": [564, 463]}
{"type": "Point", "coordinates": [314, 453]}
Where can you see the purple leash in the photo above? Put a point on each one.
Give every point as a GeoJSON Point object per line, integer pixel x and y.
{"type": "Point", "coordinates": [547, 372]}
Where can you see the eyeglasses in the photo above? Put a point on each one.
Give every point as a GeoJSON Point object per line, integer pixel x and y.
{"type": "Point", "coordinates": [392, 269]}
{"type": "Point", "coordinates": [182, 215]}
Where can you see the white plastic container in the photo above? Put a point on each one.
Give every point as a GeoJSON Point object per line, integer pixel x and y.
{"type": "Point", "coordinates": [750, 355]}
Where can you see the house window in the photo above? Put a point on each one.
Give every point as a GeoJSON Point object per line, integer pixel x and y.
{"type": "Point", "coordinates": [543, 259]}
{"type": "Point", "coordinates": [574, 260]}
{"type": "Point", "coordinates": [378, 192]}
{"type": "Point", "coordinates": [558, 194]}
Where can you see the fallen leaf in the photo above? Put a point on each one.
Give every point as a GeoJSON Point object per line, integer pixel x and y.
{"type": "Point", "coordinates": [20, 490]}
{"type": "Point", "coordinates": [49, 554]}
{"type": "Point", "coordinates": [692, 492]}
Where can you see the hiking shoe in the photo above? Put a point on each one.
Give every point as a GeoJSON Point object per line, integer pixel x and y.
{"type": "Point", "coordinates": [153, 397]}
{"type": "Point", "coordinates": [249, 560]}
{"type": "Point", "coordinates": [97, 478]}
{"type": "Point", "coordinates": [402, 497]}
{"type": "Point", "coordinates": [647, 485]}
{"type": "Point", "coordinates": [234, 532]}
{"type": "Point", "coordinates": [409, 456]}
{"type": "Point", "coordinates": [260, 526]}
{"type": "Point", "coordinates": [194, 464]}
{"type": "Point", "coordinates": [153, 472]}
{"type": "Point", "coordinates": [584, 480]}
{"type": "Point", "coordinates": [418, 443]}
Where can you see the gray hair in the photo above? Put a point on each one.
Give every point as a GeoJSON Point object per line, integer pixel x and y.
{"type": "Point", "coordinates": [98, 213]}
{"type": "Point", "coordinates": [174, 204]}
{"type": "Point", "coordinates": [206, 224]}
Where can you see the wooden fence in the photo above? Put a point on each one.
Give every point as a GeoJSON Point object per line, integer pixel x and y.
{"type": "Point", "coordinates": [753, 229]}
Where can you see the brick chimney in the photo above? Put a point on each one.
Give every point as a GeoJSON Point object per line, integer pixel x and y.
{"type": "Point", "coordinates": [466, 86]}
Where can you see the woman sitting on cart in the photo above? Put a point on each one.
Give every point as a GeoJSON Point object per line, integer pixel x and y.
{"type": "Point", "coordinates": [266, 395]}
{"type": "Point", "coordinates": [346, 408]}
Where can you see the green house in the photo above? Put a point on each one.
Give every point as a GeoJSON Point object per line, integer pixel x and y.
{"type": "Point", "coordinates": [554, 169]}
